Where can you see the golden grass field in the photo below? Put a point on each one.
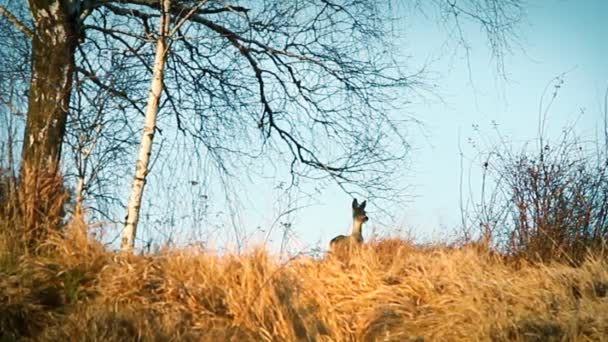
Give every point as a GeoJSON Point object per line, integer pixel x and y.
{"type": "Point", "coordinates": [388, 290]}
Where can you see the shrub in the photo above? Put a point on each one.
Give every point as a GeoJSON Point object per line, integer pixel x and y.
{"type": "Point", "coordinates": [548, 204]}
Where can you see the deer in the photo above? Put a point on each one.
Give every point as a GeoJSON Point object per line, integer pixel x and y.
{"type": "Point", "coordinates": [356, 237]}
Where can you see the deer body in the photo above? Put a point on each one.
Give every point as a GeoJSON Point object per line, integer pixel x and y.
{"type": "Point", "coordinates": [356, 236]}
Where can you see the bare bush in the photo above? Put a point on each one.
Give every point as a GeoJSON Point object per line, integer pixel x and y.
{"type": "Point", "coordinates": [548, 203]}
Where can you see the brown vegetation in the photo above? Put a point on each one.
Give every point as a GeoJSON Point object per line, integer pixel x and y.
{"type": "Point", "coordinates": [388, 291]}
{"type": "Point", "coordinates": [549, 203]}
{"type": "Point", "coordinates": [32, 208]}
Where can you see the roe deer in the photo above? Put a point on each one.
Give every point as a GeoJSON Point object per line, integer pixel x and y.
{"type": "Point", "coordinates": [356, 237]}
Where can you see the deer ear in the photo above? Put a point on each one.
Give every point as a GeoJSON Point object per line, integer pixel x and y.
{"type": "Point", "coordinates": [355, 204]}
{"type": "Point", "coordinates": [362, 206]}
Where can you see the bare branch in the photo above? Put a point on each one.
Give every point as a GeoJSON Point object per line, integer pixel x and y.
{"type": "Point", "coordinates": [18, 24]}
{"type": "Point", "coordinates": [91, 76]}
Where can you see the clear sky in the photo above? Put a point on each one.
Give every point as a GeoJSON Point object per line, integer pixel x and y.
{"type": "Point", "coordinates": [558, 37]}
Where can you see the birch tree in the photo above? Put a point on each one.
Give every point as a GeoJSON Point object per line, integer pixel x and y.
{"type": "Point", "coordinates": [145, 147]}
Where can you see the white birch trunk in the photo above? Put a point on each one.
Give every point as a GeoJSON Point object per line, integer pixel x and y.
{"type": "Point", "coordinates": [145, 146]}
{"type": "Point", "coordinates": [79, 193]}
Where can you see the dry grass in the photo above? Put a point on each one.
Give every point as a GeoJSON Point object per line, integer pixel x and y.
{"type": "Point", "coordinates": [29, 210]}
{"type": "Point", "coordinates": [387, 291]}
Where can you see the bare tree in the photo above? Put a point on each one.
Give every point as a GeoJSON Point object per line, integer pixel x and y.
{"type": "Point", "coordinates": [304, 82]}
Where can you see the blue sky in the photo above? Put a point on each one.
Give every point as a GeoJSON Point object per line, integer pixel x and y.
{"type": "Point", "coordinates": [558, 37]}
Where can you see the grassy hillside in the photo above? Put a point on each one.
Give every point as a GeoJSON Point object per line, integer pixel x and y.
{"type": "Point", "coordinates": [387, 291]}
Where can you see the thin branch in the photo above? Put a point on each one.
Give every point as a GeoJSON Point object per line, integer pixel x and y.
{"type": "Point", "coordinates": [186, 17]}
{"type": "Point", "coordinates": [18, 24]}
{"type": "Point", "coordinates": [91, 76]}
{"type": "Point", "coordinates": [226, 8]}
{"type": "Point", "coordinates": [130, 12]}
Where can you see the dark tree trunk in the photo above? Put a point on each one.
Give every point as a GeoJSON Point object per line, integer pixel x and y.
{"type": "Point", "coordinates": [54, 42]}
{"type": "Point", "coordinates": [53, 46]}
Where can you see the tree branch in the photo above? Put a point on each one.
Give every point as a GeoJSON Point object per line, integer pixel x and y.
{"type": "Point", "coordinates": [13, 20]}
{"type": "Point", "coordinates": [91, 76]}
{"type": "Point", "coordinates": [226, 8]}
{"type": "Point", "coordinates": [298, 150]}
